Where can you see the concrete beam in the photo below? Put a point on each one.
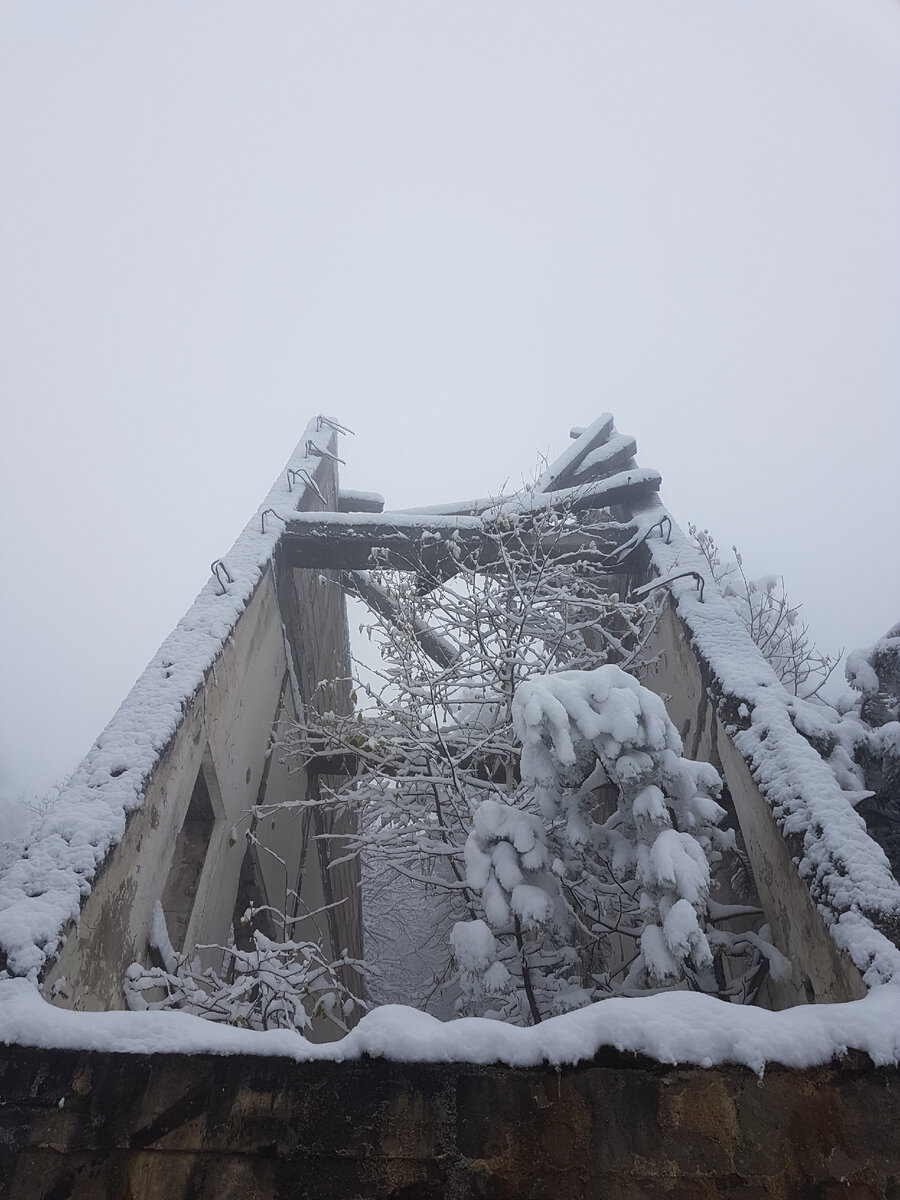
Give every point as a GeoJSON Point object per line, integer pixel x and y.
{"type": "Point", "coordinates": [630, 485]}
{"type": "Point", "coordinates": [561, 473]}
{"type": "Point", "coordinates": [361, 584]}
{"type": "Point", "coordinates": [401, 545]}
{"type": "Point", "coordinates": [614, 455]}
{"type": "Point", "coordinates": [368, 502]}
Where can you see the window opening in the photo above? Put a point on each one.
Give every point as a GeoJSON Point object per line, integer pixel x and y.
{"type": "Point", "coordinates": [187, 862]}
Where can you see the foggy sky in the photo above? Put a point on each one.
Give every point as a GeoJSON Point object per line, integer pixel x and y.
{"type": "Point", "coordinates": [459, 228]}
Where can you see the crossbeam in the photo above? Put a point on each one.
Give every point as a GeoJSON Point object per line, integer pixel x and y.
{"type": "Point", "coordinates": [401, 545]}
{"type": "Point", "coordinates": [433, 542]}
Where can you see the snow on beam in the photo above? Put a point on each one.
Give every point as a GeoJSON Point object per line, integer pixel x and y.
{"type": "Point", "coordinates": [630, 486]}
{"type": "Point", "coordinates": [672, 1027]}
{"type": "Point", "coordinates": [627, 488]}
{"type": "Point", "coordinates": [369, 502]}
{"type": "Point", "coordinates": [612, 456]}
{"type": "Point", "coordinates": [560, 473]}
{"type": "Point", "coordinates": [454, 508]}
{"type": "Point", "coordinates": [846, 873]}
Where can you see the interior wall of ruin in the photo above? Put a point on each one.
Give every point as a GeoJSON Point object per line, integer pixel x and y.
{"type": "Point", "coordinates": [225, 731]}
{"type": "Point", "coordinates": [822, 972]}
{"type": "Point", "coordinates": [185, 846]}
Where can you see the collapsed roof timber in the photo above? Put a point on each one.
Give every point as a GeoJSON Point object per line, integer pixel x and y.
{"type": "Point", "coordinates": [149, 818]}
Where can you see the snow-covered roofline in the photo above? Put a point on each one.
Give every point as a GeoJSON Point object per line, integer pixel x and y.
{"type": "Point", "coordinates": [43, 891]}
{"type": "Point", "coordinates": [847, 873]}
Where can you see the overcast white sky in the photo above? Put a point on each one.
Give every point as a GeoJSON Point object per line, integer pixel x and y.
{"type": "Point", "coordinates": [459, 228]}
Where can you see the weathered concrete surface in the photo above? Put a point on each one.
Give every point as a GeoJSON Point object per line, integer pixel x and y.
{"type": "Point", "coordinates": [225, 726]}
{"type": "Point", "coordinates": [822, 972]}
{"type": "Point", "coordinates": [171, 1126]}
{"type": "Point", "coordinates": [292, 628]}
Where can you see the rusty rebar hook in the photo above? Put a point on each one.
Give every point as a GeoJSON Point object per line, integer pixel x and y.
{"type": "Point", "coordinates": [305, 477]}
{"type": "Point", "coordinates": [656, 525]}
{"type": "Point", "coordinates": [314, 451]}
{"type": "Point", "coordinates": [263, 515]}
{"type": "Point", "coordinates": [215, 567]}
{"type": "Point", "coordinates": [641, 592]}
{"type": "Point", "coordinates": [332, 424]}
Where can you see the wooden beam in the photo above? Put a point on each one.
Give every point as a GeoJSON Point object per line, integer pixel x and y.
{"type": "Point", "coordinates": [323, 544]}
{"type": "Point", "coordinates": [436, 546]}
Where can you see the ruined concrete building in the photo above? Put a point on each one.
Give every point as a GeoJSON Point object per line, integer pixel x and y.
{"type": "Point", "coordinates": [154, 820]}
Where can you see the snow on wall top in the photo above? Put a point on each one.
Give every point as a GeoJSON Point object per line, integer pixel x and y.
{"type": "Point", "coordinates": [41, 892]}
{"type": "Point", "coordinates": [673, 1027]}
{"type": "Point", "coordinates": [846, 871]}
{"type": "Point", "coordinates": [590, 462]}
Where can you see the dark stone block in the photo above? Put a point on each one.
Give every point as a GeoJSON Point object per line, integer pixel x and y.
{"type": "Point", "coordinates": [239, 1128]}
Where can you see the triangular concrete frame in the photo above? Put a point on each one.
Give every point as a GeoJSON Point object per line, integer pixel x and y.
{"type": "Point", "coordinates": [271, 624]}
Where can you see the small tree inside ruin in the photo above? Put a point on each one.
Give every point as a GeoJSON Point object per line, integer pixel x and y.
{"type": "Point", "coordinates": [530, 794]}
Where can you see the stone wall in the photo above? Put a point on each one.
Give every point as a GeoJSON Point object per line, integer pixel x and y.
{"type": "Point", "coordinates": [84, 1125]}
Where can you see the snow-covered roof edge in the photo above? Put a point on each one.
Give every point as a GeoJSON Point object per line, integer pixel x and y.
{"type": "Point", "coordinates": [847, 872]}
{"type": "Point", "coordinates": [43, 891]}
